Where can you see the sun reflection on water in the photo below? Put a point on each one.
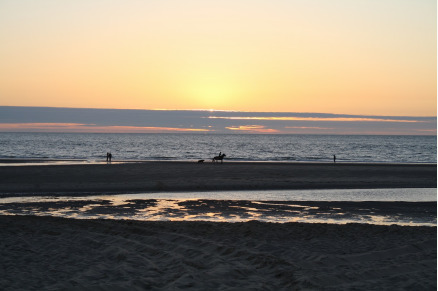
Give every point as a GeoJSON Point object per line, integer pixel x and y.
{"type": "Point", "coordinates": [127, 207]}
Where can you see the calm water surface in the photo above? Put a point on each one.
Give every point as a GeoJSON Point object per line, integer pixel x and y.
{"type": "Point", "coordinates": [237, 147]}
{"type": "Point", "coordinates": [412, 207]}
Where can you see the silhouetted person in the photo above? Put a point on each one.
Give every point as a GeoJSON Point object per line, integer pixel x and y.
{"type": "Point", "coordinates": [334, 158]}
{"type": "Point", "coordinates": [110, 156]}
{"type": "Point", "coordinates": [107, 157]}
{"type": "Point", "coordinates": [219, 158]}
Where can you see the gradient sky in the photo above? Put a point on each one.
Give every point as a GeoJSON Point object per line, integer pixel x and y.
{"type": "Point", "coordinates": [366, 57]}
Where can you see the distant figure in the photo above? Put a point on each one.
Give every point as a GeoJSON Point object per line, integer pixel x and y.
{"type": "Point", "coordinates": [219, 158]}
{"type": "Point", "coordinates": [107, 157]}
{"type": "Point", "coordinates": [334, 158]}
{"type": "Point", "coordinates": [110, 156]}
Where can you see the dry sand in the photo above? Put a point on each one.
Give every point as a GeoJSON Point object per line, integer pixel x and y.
{"type": "Point", "coordinates": [189, 176]}
{"type": "Point", "coordinates": [46, 253]}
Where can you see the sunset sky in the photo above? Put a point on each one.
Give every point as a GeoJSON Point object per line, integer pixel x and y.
{"type": "Point", "coordinates": [362, 57]}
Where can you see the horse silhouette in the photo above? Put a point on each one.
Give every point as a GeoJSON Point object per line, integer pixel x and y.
{"type": "Point", "coordinates": [218, 158]}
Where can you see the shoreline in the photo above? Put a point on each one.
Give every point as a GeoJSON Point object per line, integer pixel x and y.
{"type": "Point", "coordinates": [170, 176]}
{"type": "Point", "coordinates": [59, 253]}
{"type": "Point", "coordinates": [50, 161]}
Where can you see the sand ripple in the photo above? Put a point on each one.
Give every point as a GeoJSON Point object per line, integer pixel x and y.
{"type": "Point", "coordinates": [65, 254]}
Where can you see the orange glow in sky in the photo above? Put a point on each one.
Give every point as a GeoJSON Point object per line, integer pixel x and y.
{"type": "Point", "coordinates": [253, 128]}
{"type": "Point", "coordinates": [75, 127]}
{"type": "Point", "coordinates": [338, 56]}
{"type": "Point", "coordinates": [288, 118]}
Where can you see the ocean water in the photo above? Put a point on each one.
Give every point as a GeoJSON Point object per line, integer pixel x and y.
{"type": "Point", "coordinates": [237, 147]}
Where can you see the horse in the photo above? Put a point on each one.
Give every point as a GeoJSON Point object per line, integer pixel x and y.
{"type": "Point", "coordinates": [218, 158]}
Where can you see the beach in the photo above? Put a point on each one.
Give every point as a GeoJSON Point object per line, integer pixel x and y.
{"type": "Point", "coordinates": [56, 253]}
{"type": "Point", "coordinates": [192, 176]}
{"type": "Point", "coordinates": [46, 253]}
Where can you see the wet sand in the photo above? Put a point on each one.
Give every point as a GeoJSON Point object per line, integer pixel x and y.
{"type": "Point", "coordinates": [341, 212]}
{"type": "Point", "coordinates": [191, 176]}
{"type": "Point", "coordinates": [47, 253]}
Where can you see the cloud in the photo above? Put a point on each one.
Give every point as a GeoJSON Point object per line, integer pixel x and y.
{"type": "Point", "coordinates": [121, 120]}
{"type": "Point", "coordinates": [341, 119]}
{"type": "Point", "coordinates": [253, 129]}
{"type": "Point", "coordinates": [309, 127]}
{"type": "Point", "coordinates": [78, 127]}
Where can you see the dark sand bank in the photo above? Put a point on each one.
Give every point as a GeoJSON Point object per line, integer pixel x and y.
{"type": "Point", "coordinates": [189, 176]}
{"type": "Point", "coordinates": [46, 253]}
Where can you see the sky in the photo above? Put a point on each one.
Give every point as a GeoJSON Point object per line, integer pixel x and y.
{"type": "Point", "coordinates": [362, 57]}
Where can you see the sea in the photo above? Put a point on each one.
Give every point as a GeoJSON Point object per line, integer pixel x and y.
{"type": "Point", "coordinates": [413, 207]}
{"type": "Point", "coordinates": [92, 147]}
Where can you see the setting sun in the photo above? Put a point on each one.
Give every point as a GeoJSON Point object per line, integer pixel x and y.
{"type": "Point", "coordinates": [212, 92]}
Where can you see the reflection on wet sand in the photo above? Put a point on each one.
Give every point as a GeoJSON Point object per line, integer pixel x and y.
{"type": "Point", "coordinates": [116, 207]}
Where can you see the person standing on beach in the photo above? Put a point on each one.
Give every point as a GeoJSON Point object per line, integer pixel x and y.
{"type": "Point", "coordinates": [107, 157]}
{"type": "Point", "coordinates": [110, 157]}
{"type": "Point", "coordinates": [334, 158]}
